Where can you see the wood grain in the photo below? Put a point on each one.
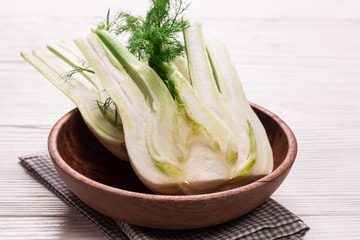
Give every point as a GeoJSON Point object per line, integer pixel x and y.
{"type": "Point", "coordinates": [299, 59]}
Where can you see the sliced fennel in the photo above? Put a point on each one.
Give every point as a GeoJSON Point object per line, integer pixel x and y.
{"type": "Point", "coordinates": [186, 122]}
{"type": "Point", "coordinates": [215, 79]}
{"type": "Point", "coordinates": [177, 143]}
{"type": "Point", "coordinates": [234, 97]}
{"type": "Point", "coordinates": [85, 97]}
{"type": "Point", "coordinates": [141, 113]}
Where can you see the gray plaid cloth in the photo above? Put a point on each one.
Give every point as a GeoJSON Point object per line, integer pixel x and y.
{"type": "Point", "coordinates": [268, 221]}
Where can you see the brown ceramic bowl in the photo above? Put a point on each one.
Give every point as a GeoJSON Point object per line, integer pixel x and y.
{"type": "Point", "coordinates": [110, 186]}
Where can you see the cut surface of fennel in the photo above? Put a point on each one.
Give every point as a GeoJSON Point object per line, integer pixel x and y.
{"type": "Point", "coordinates": [176, 145]}
{"type": "Point", "coordinates": [222, 91]}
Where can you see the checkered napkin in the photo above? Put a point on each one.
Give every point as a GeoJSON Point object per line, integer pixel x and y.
{"type": "Point", "coordinates": [268, 221]}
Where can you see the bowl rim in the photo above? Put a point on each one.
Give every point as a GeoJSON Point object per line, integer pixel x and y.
{"type": "Point", "coordinates": [283, 167]}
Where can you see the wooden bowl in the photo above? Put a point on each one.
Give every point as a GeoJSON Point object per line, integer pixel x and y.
{"type": "Point", "coordinates": [110, 186]}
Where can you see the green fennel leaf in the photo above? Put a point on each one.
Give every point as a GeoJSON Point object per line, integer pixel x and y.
{"type": "Point", "coordinates": [155, 38]}
{"type": "Point", "coordinates": [110, 112]}
{"type": "Point", "coordinates": [77, 69]}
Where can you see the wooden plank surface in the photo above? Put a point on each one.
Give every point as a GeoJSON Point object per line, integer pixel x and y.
{"type": "Point", "coordinates": [299, 59]}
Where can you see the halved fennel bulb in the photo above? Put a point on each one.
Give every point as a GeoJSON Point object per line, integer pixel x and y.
{"type": "Point", "coordinates": [198, 134]}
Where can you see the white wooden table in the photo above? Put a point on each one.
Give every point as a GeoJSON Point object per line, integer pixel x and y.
{"type": "Point", "coordinates": [299, 59]}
